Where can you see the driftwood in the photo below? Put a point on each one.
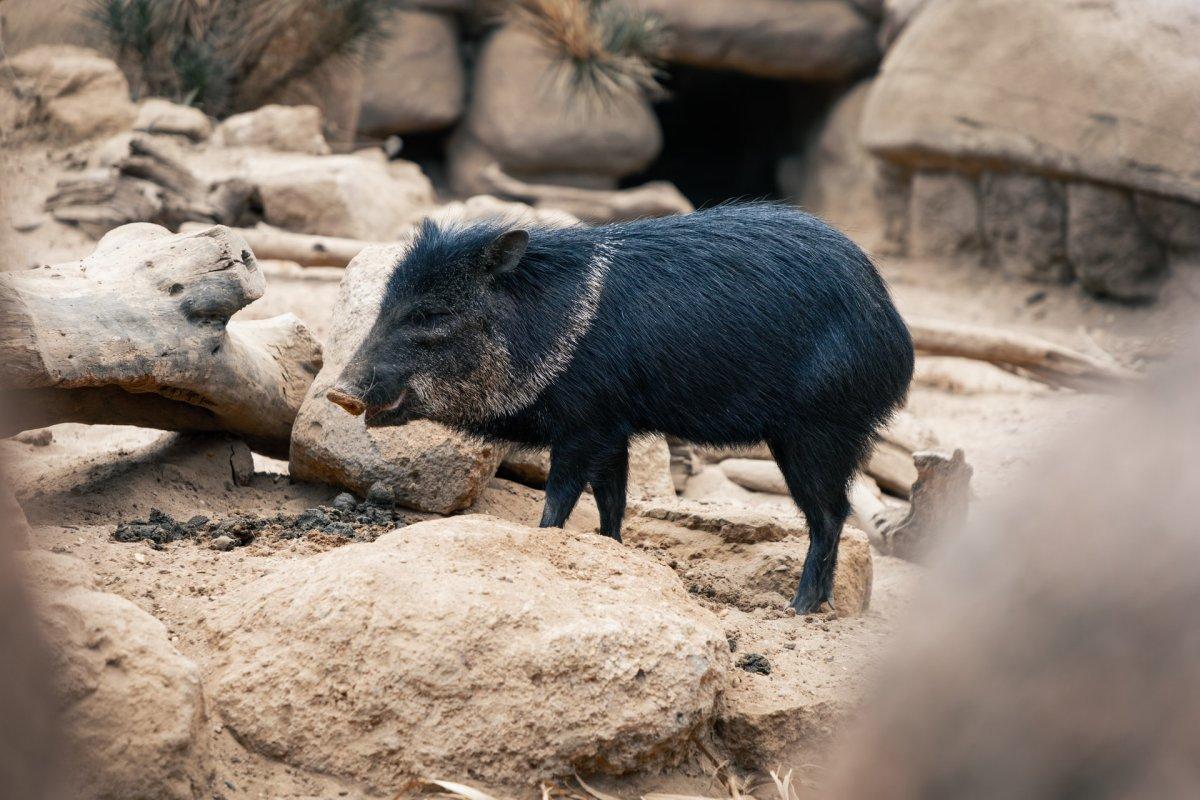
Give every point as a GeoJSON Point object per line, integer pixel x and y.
{"type": "Point", "coordinates": [1032, 355]}
{"type": "Point", "coordinates": [595, 206]}
{"type": "Point", "coordinates": [149, 184]}
{"type": "Point", "coordinates": [138, 333]}
{"type": "Point", "coordinates": [940, 497]}
{"type": "Point", "coordinates": [307, 250]}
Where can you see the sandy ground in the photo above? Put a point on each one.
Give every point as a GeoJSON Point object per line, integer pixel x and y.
{"type": "Point", "coordinates": [80, 486]}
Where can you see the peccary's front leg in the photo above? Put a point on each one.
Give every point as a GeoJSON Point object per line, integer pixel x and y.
{"type": "Point", "coordinates": [568, 475]}
{"type": "Point", "coordinates": [610, 472]}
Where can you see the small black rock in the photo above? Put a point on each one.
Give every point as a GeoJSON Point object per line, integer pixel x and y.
{"type": "Point", "coordinates": [382, 495]}
{"type": "Point", "coordinates": [755, 662]}
{"type": "Point", "coordinates": [345, 502]}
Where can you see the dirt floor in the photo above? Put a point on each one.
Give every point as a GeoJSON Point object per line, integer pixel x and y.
{"type": "Point", "coordinates": [78, 487]}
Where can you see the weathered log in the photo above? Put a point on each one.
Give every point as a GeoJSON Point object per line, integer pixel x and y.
{"type": "Point", "coordinates": [138, 333]}
{"type": "Point", "coordinates": [940, 497]}
{"type": "Point", "coordinates": [304, 249]}
{"type": "Point", "coordinates": [1049, 362]}
{"type": "Point", "coordinates": [595, 206]}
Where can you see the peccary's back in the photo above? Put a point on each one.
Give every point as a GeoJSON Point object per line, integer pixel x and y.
{"type": "Point", "coordinates": [718, 325]}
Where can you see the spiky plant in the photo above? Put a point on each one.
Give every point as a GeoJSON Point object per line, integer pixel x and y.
{"type": "Point", "coordinates": [604, 45]}
{"type": "Point", "coordinates": [228, 55]}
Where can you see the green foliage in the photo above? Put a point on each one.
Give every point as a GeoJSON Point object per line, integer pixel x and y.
{"type": "Point", "coordinates": [228, 55]}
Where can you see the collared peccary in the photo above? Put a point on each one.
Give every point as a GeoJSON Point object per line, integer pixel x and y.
{"type": "Point", "coordinates": [737, 325]}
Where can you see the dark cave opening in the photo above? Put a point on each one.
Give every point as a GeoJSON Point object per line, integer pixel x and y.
{"type": "Point", "coordinates": [724, 133]}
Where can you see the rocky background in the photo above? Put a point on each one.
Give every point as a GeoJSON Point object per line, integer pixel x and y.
{"type": "Point", "coordinates": [246, 593]}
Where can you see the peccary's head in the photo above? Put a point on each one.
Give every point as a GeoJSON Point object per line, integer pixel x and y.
{"type": "Point", "coordinates": [436, 350]}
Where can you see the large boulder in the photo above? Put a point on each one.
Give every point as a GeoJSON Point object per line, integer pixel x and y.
{"type": "Point", "coordinates": [1107, 95]}
{"type": "Point", "coordinates": [74, 92]}
{"type": "Point", "coordinates": [526, 119]}
{"type": "Point", "coordinates": [836, 178]}
{"type": "Point", "coordinates": [811, 40]}
{"type": "Point", "coordinates": [430, 467]}
{"type": "Point", "coordinates": [131, 705]}
{"type": "Point", "coordinates": [275, 127]}
{"type": "Point", "coordinates": [352, 196]}
{"type": "Point", "coordinates": [415, 81]}
{"type": "Point", "coordinates": [468, 646]}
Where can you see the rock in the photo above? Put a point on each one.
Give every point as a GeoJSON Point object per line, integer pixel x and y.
{"type": "Point", "coordinates": [345, 195]}
{"type": "Point", "coordinates": [943, 215]}
{"type": "Point", "coordinates": [381, 495]}
{"type": "Point", "coordinates": [1113, 255]}
{"type": "Point", "coordinates": [467, 646]}
{"type": "Point", "coordinates": [816, 40]}
{"type": "Point", "coordinates": [532, 130]}
{"type": "Point", "coordinates": [481, 207]}
{"type": "Point", "coordinates": [430, 467]}
{"type": "Point", "coordinates": [345, 502]}
{"type": "Point", "coordinates": [41, 437]}
{"type": "Point", "coordinates": [75, 92]}
{"type": "Point", "coordinates": [530, 467]}
{"type": "Point", "coordinates": [1024, 221]}
{"type": "Point", "coordinates": [754, 662]}
{"type": "Point", "coordinates": [415, 81]}
{"type": "Point", "coordinates": [729, 523]}
{"type": "Point", "coordinates": [132, 708]}
{"type": "Point", "coordinates": [521, 504]}
{"type": "Point", "coordinates": [1174, 223]}
{"type": "Point", "coordinates": [752, 573]}
{"type": "Point", "coordinates": [897, 14]}
{"type": "Point", "coordinates": [224, 543]}
{"type": "Point", "coordinates": [963, 85]}
{"type": "Point", "coordinates": [157, 115]}
{"type": "Point", "coordinates": [275, 127]}
{"type": "Point", "coordinates": [755, 475]}
{"type": "Point", "coordinates": [649, 468]}
{"type": "Point", "coordinates": [837, 179]}
{"type": "Point", "coordinates": [55, 573]}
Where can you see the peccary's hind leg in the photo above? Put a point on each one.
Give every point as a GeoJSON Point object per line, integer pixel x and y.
{"type": "Point", "coordinates": [568, 475]}
{"type": "Point", "coordinates": [819, 486]}
{"type": "Point", "coordinates": [610, 472]}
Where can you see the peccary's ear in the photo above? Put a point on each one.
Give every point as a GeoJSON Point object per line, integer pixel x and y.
{"type": "Point", "coordinates": [505, 252]}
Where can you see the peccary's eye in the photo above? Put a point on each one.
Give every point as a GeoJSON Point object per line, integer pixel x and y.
{"type": "Point", "coordinates": [430, 319]}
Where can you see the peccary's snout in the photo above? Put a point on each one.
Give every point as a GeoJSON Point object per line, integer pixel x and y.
{"type": "Point", "coordinates": [347, 398]}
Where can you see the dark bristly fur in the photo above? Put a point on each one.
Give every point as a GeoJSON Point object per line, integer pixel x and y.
{"type": "Point", "coordinates": [740, 324]}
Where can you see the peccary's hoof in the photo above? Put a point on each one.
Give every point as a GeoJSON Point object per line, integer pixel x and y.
{"type": "Point", "coordinates": [807, 601]}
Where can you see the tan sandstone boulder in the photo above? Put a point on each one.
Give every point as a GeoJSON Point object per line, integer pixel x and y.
{"type": "Point", "coordinates": [1108, 95]}
{"type": "Point", "coordinates": [275, 127]}
{"type": "Point", "coordinates": [415, 81]}
{"type": "Point", "coordinates": [468, 646]}
{"type": "Point", "coordinates": [75, 92]}
{"type": "Point", "coordinates": [521, 115]}
{"type": "Point", "coordinates": [351, 196]}
{"type": "Point", "coordinates": [431, 468]}
{"type": "Point", "coordinates": [810, 40]}
{"type": "Point", "coordinates": [132, 706]}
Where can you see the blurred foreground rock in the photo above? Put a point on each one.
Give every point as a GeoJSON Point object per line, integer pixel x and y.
{"type": "Point", "coordinates": [138, 333]}
{"type": "Point", "coordinates": [468, 646]}
{"type": "Point", "coordinates": [132, 706]}
{"type": "Point", "coordinates": [431, 468]}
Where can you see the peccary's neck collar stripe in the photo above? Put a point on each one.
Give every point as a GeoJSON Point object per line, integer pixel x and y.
{"type": "Point", "coordinates": [543, 370]}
